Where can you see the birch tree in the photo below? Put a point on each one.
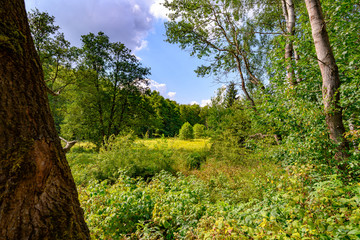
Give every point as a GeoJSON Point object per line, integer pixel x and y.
{"type": "Point", "coordinates": [330, 76]}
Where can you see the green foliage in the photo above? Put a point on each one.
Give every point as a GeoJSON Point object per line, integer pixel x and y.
{"type": "Point", "coordinates": [195, 159]}
{"type": "Point", "coordinates": [231, 94]}
{"type": "Point", "coordinates": [122, 152]}
{"type": "Point", "coordinates": [186, 131]}
{"type": "Point", "coordinates": [199, 130]}
{"type": "Point", "coordinates": [299, 204]}
{"type": "Point", "coordinates": [167, 115]}
{"type": "Point", "coordinates": [190, 113]}
{"type": "Point", "coordinates": [230, 140]}
{"type": "Point", "coordinates": [116, 210]}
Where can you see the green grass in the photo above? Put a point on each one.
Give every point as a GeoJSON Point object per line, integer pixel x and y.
{"type": "Point", "coordinates": [177, 144]}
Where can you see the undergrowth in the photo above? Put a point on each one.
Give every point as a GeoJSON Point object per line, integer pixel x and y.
{"type": "Point", "coordinates": [176, 189]}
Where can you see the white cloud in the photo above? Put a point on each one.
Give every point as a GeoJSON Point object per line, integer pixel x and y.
{"type": "Point", "coordinates": [171, 94]}
{"type": "Point", "coordinates": [158, 10]}
{"type": "Point", "coordinates": [205, 102]}
{"type": "Point", "coordinates": [160, 87]}
{"type": "Point", "coordinates": [127, 21]}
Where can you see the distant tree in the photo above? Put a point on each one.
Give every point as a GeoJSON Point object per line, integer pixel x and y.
{"type": "Point", "coordinates": [231, 94]}
{"type": "Point", "coordinates": [186, 131]}
{"type": "Point", "coordinates": [38, 196]}
{"type": "Point", "coordinates": [216, 112]}
{"type": "Point", "coordinates": [190, 113]}
{"type": "Point", "coordinates": [107, 97]}
{"type": "Point", "coordinates": [199, 130]}
{"type": "Point", "coordinates": [167, 114]}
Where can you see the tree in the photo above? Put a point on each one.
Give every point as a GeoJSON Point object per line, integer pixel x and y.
{"type": "Point", "coordinates": [289, 14]}
{"type": "Point", "coordinates": [231, 94]}
{"type": "Point", "coordinates": [186, 131]}
{"type": "Point", "coordinates": [108, 90]}
{"type": "Point", "coordinates": [199, 130]}
{"type": "Point", "coordinates": [167, 115]}
{"type": "Point", "coordinates": [38, 196]}
{"type": "Point", "coordinates": [56, 58]}
{"type": "Point", "coordinates": [54, 51]}
{"type": "Point", "coordinates": [215, 31]}
{"type": "Point", "coordinates": [330, 75]}
{"type": "Point", "coordinates": [190, 113]}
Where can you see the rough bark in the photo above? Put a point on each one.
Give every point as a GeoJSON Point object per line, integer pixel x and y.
{"type": "Point", "coordinates": [38, 196]}
{"type": "Point", "coordinates": [330, 76]}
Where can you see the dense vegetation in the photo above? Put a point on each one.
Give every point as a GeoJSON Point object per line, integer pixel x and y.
{"type": "Point", "coordinates": [263, 164]}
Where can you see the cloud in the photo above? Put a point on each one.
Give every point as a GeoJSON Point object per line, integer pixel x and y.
{"type": "Point", "coordinates": [143, 45]}
{"type": "Point", "coordinates": [127, 21]}
{"type": "Point", "coordinates": [160, 87]}
{"type": "Point", "coordinates": [171, 94]}
{"type": "Point", "coordinates": [158, 10]}
{"type": "Point", "coordinates": [205, 102]}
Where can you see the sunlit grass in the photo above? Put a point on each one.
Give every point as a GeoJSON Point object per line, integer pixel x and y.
{"type": "Point", "coordinates": [177, 144]}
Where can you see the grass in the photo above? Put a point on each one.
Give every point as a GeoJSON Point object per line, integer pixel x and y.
{"type": "Point", "coordinates": [177, 144]}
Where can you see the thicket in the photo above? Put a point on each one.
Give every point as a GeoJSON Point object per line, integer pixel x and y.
{"type": "Point", "coordinates": [180, 207]}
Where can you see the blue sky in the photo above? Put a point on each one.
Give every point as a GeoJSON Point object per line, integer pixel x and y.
{"type": "Point", "coordinates": [139, 24]}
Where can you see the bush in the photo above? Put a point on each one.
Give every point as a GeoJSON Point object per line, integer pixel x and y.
{"type": "Point", "coordinates": [123, 152]}
{"type": "Point", "coordinates": [195, 159]}
{"type": "Point", "coordinates": [186, 131]}
{"type": "Point", "coordinates": [199, 130]}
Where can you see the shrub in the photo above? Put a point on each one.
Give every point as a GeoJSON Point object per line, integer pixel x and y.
{"type": "Point", "coordinates": [195, 159]}
{"type": "Point", "coordinates": [186, 131]}
{"type": "Point", "coordinates": [199, 130]}
{"type": "Point", "coordinates": [123, 152]}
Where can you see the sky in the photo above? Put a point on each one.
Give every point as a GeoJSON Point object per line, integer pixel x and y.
{"type": "Point", "coordinates": [139, 24]}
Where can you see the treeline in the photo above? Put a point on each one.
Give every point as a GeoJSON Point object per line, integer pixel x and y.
{"type": "Point", "coordinates": [102, 89]}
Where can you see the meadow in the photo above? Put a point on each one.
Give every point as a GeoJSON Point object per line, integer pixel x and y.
{"type": "Point", "coordinates": [180, 189]}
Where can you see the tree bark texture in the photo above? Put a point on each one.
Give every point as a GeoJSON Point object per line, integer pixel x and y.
{"type": "Point", "coordinates": [329, 72]}
{"type": "Point", "coordinates": [289, 14]}
{"type": "Point", "coordinates": [38, 196]}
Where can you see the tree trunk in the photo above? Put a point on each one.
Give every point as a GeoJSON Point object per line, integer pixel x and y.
{"type": "Point", "coordinates": [243, 86]}
{"type": "Point", "coordinates": [38, 196]}
{"type": "Point", "coordinates": [330, 76]}
{"type": "Point", "coordinates": [289, 14]}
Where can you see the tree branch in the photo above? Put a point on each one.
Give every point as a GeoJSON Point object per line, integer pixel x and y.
{"type": "Point", "coordinates": [68, 145]}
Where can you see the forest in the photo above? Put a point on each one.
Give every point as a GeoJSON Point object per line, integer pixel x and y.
{"type": "Point", "coordinates": [89, 151]}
